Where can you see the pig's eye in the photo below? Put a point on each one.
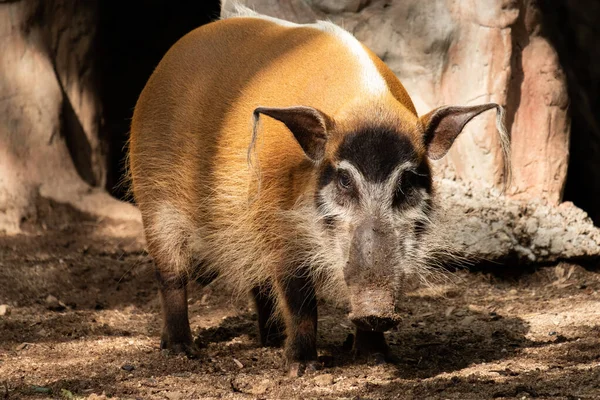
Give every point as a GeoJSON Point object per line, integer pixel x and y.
{"type": "Point", "coordinates": [406, 184]}
{"type": "Point", "coordinates": [344, 180]}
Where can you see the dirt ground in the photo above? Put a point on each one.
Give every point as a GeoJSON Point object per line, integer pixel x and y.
{"type": "Point", "coordinates": [82, 322]}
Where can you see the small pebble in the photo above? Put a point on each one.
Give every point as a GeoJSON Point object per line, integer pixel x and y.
{"type": "Point", "coordinates": [261, 387]}
{"type": "Point", "coordinates": [4, 310]}
{"type": "Point", "coordinates": [41, 389]}
{"type": "Point", "coordinates": [128, 367]}
{"type": "Point", "coordinates": [324, 379]}
{"type": "Point", "coordinates": [22, 346]}
{"type": "Point", "coordinates": [54, 304]}
{"type": "Point", "coordinates": [494, 316]}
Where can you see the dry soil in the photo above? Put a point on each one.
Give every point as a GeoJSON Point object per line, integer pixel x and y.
{"type": "Point", "coordinates": [81, 320]}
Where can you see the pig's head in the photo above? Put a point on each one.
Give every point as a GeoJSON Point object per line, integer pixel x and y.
{"type": "Point", "coordinates": [374, 195]}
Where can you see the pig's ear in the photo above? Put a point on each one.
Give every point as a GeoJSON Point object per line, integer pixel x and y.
{"type": "Point", "coordinates": [308, 125]}
{"type": "Point", "coordinates": [443, 125]}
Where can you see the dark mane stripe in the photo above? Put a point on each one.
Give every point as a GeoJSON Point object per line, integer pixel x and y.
{"type": "Point", "coordinates": [377, 152]}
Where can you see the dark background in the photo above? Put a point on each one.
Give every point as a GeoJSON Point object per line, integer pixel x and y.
{"type": "Point", "coordinates": [133, 36]}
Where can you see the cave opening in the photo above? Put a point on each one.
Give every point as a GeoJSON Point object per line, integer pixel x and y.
{"type": "Point", "coordinates": [131, 39]}
{"type": "Point", "coordinates": [572, 27]}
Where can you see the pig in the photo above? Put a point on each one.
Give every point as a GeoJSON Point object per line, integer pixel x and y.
{"type": "Point", "coordinates": [289, 161]}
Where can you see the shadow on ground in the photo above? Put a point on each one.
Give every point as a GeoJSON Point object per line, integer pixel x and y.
{"type": "Point", "coordinates": [485, 336]}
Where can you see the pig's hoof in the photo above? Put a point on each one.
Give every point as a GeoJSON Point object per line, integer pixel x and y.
{"type": "Point", "coordinates": [377, 358]}
{"type": "Point", "coordinates": [384, 358]}
{"type": "Point", "coordinates": [188, 348]}
{"type": "Point", "coordinates": [298, 369]}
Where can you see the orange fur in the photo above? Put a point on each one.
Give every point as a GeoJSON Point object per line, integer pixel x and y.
{"type": "Point", "coordinates": [192, 124]}
{"type": "Point", "coordinates": [194, 131]}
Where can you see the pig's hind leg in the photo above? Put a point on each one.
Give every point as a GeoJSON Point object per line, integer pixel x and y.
{"type": "Point", "coordinates": [176, 334]}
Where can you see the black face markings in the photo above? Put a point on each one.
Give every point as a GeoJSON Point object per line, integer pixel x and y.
{"type": "Point", "coordinates": [376, 152]}
{"type": "Point", "coordinates": [409, 183]}
{"type": "Point", "coordinates": [326, 175]}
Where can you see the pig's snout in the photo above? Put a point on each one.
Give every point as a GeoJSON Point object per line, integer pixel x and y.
{"type": "Point", "coordinates": [369, 275]}
{"type": "Point", "coordinates": [373, 310]}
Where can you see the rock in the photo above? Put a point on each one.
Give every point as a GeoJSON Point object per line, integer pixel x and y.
{"type": "Point", "coordinates": [52, 303]}
{"type": "Point", "coordinates": [95, 396]}
{"type": "Point", "coordinates": [502, 231]}
{"type": "Point", "coordinates": [4, 310]}
{"type": "Point", "coordinates": [22, 346]}
{"type": "Point", "coordinates": [460, 53]}
{"type": "Point", "coordinates": [463, 52]}
{"type": "Point", "coordinates": [572, 26]}
{"type": "Point", "coordinates": [41, 389]}
{"type": "Point", "coordinates": [261, 387]}
{"type": "Point", "coordinates": [175, 395]}
{"type": "Point", "coordinates": [324, 380]}
{"type": "Point", "coordinates": [541, 126]}
{"type": "Point", "coordinates": [49, 129]}
{"type": "Point", "coordinates": [128, 367]}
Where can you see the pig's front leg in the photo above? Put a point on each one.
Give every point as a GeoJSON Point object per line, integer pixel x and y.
{"type": "Point", "coordinates": [298, 303]}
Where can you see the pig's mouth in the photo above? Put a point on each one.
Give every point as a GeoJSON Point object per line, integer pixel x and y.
{"type": "Point", "coordinates": [373, 310]}
{"type": "Point", "coordinates": [372, 323]}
